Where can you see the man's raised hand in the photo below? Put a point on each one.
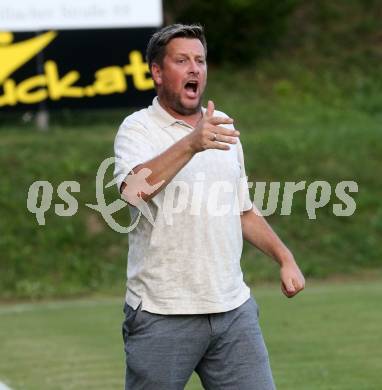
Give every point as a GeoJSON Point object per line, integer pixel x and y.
{"type": "Point", "coordinates": [209, 135]}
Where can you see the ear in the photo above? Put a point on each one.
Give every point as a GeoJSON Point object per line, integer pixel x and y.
{"type": "Point", "coordinates": [156, 73]}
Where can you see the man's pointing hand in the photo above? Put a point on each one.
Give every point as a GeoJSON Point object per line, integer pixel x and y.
{"type": "Point", "coordinates": [209, 135]}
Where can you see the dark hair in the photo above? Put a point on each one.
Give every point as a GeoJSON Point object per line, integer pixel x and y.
{"type": "Point", "coordinates": [156, 47]}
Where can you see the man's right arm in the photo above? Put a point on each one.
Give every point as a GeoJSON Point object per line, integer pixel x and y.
{"type": "Point", "coordinates": [207, 135]}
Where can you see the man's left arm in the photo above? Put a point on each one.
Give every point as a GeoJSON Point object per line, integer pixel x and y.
{"type": "Point", "coordinates": [258, 232]}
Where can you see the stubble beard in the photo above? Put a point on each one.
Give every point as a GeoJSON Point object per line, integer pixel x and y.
{"type": "Point", "coordinates": [173, 100]}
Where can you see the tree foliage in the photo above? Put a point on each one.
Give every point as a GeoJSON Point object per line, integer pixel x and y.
{"type": "Point", "coordinates": [237, 31]}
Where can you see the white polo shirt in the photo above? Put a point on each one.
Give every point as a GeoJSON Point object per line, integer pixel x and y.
{"type": "Point", "coordinates": [188, 261]}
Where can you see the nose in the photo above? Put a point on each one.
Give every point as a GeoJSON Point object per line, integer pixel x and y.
{"type": "Point", "coordinates": [194, 68]}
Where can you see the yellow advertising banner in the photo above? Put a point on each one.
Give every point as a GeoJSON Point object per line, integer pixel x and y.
{"type": "Point", "coordinates": [75, 68]}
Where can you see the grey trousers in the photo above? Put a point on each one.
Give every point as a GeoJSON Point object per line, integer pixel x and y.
{"type": "Point", "coordinates": [226, 350]}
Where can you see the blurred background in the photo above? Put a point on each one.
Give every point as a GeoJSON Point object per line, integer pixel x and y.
{"type": "Point", "coordinates": [302, 79]}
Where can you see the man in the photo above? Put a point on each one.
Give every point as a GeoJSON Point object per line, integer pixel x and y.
{"type": "Point", "coordinates": [187, 306]}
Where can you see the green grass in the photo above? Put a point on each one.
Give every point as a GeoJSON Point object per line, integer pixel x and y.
{"type": "Point", "coordinates": [327, 338]}
{"type": "Point", "coordinates": [296, 124]}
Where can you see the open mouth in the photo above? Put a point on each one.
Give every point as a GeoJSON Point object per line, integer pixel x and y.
{"type": "Point", "coordinates": [191, 88]}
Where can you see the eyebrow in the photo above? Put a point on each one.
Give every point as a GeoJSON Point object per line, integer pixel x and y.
{"type": "Point", "coordinates": [186, 55]}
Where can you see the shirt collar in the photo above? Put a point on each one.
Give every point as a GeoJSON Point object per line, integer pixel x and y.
{"type": "Point", "coordinates": [164, 118]}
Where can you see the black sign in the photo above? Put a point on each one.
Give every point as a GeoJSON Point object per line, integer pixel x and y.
{"type": "Point", "coordinates": [75, 68]}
